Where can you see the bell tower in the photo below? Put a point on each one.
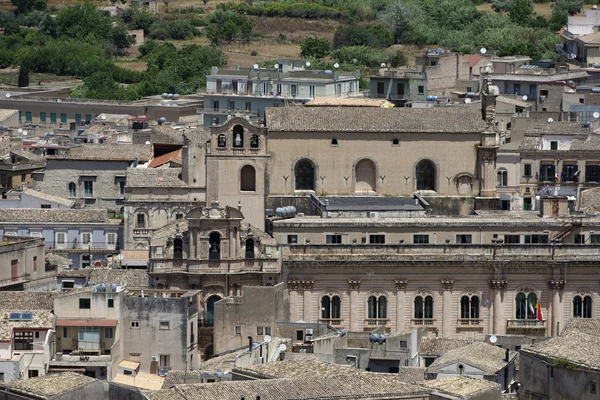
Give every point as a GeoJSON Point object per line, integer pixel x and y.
{"type": "Point", "coordinates": [490, 141]}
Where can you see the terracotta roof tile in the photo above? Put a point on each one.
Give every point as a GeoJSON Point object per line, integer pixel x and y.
{"type": "Point", "coordinates": [174, 156]}
{"type": "Point", "coordinates": [462, 386]}
{"type": "Point", "coordinates": [48, 386]}
{"type": "Point", "coordinates": [483, 355]}
{"type": "Point", "coordinates": [575, 346]}
{"type": "Point", "coordinates": [154, 177]}
{"type": "Point", "coordinates": [439, 346]}
{"type": "Point", "coordinates": [412, 374]}
{"type": "Point", "coordinates": [108, 152]}
{"type": "Point", "coordinates": [52, 215]}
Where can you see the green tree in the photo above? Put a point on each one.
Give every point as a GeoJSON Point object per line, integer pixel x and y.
{"type": "Point", "coordinates": [398, 16]}
{"type": "Point", "coordinates": [84, 22]}
{"type": "Point", "coordinates": [314, 48]}
{"type": "Point", "coordinates": [227, 26]}
{"type": "Point", "coordinates": [520, 11]}
{"type": "Point", "coordinates": [572, 7]}
{"type": "Point", "coordinates": [120, 40]}
{"type": "Point", "coordinates": [25, 6]}
{"type": "Point", "coordinates": [23, 80]}
{"type": "Point", "coordinates": [137, 18]}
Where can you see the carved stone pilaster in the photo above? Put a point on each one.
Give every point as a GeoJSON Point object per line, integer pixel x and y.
{"type": "Point", "coordinates": [498, 284]}
{"type": "Point", "coordinates": [307, 285]}
{"type": "Point", "coordinates": [401, 284]}
{"type": "Point", "coordinates": [447, 284]}
{"type": "Point", "coordinates": [354, 284]}
{"type": "Point", "coordinates": [293, 285]}
{"type": "Point", "coordinates": [557, 284]}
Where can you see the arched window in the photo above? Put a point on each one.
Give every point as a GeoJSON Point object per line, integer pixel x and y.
{"type": "Point", "coordinates": [425, 175]}
{"type": "Point", "coordinates": [221, 141]}
{"type": "Point", "coordinates": [304, 173]}
{"type": "Point", "coordinates": [334, 142]}
{"type": "Point", "coordinates": [365, 175]}
{"type": "Point", "coordinates": [210, 310]}
{"type": "Point", "coordinates": [395, 142]}
{"type": "Point", "coordinates": [502, 178]}
{"type": "Point", "coordinates": [238, 136]}
{"type": "Point", "coordinates": [249, 248]}
{"type": "Point", "coordinates": [178, 248]}
{"type": "Point", "coordinates": [214, 251]}
{"type": "Point", "coordinates": [254, 141]}
{"type": "Point", "coordinates": [248, 179]}
{"type": "Point", "coordinates": [469, 307]}
{"type": "Point", "coordinates": [423, 307]}
{"type": "Point", "coordinates": [330, 307]}
{"type": "Point", "coordinates": [582, 306]}
{"type": "Point", "coordinates": [72, 190]}
{"type": "Point", "coordinates": [526, 306]}
{"type": "Point", "coordinates": [377, 307]}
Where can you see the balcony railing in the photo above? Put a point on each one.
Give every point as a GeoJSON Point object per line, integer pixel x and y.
{"type": "Point", "coordinates": [423, 321]}
{"type": "Point", "coordinates": [526, 323]}
{"type": "Point", "coordinates": [142, 232]}
{"type": "Point", "coordinates": [335, 322]}
{"type": "Point", "coordinates": [93, 246]}
{"type": "Point", "coordinates": [375, 322]}
{"type": "Point", "coordinates": [469, 324]}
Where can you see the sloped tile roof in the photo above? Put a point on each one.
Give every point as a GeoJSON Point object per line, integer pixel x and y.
{"type": "Point", "coordinates": [176, 377]}
{"type": "Point", "coordinates": [48, 386]}
{"type": "Point", "coordinates": [49, 197]}
{"type": "Point", "coordinates": [575, 346]}
{"type": "Point", "coordinates": [556, 128]}
{"type": "Point", "coordinates": [26, 301]}
{"type": "Point", "coordinates": [592, 142]}
{"type": "Point", "coordinates": [299, 368]}
{"type": "Point", "coordinates": [590, 204]}
{"type": "Point", "coordinates": [369, 119]}
{"type": "Point", "coordinates": [485, 356]}
{"type": "Point", "coordinates": [412, 374]}
{"type": "Point", "coordinates": [461, 385]}
{"type": "Point", "coordinates": [108, 152]}
{"type": "Point", "coordinates": [439, 346]}
{"type": "Point", "coordinates": [52, 215]}
{"type": "Point", "coordinates": [154, 177]}
{"type": "Point", "coordinates": [174, 156]}
{"type": "Point", "coordinates": [40, 319]}
{"type": "Point", "coordinates": [135, 278]}
{"type": "Point", "coordinates": [586, 325]}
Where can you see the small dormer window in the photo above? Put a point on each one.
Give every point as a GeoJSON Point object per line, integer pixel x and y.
{"type": "Point", "coordinates": [553, 145]}
{"type": "Point", "coordinates": [395, 142]}
{"type": "Point", "coordinates": [334, 142]}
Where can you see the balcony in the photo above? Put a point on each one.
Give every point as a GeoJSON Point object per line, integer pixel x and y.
{"type": "Point", "coordinates": [526, 327]}
{"type": "Point", "coordinates": [373, 323]}
{"type": "Point", "coordinates": [470, 324]}
{"type": "Point", "coordinates": [142, 232]}
{"type": "Point", "coordinates": [335, 322]}
{"type": "Point", "coordinates": [423, 321]}
{"type": "Point", "coordinates": [81, 247]}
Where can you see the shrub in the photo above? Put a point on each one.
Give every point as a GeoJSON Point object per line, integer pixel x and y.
{"type": "Point", "coordinates": [363, 55]}
{"type": "Point", "coordinates": [314, 48]}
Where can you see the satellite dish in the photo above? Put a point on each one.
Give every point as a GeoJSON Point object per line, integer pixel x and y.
{"type": "Point", "coordinates": [276, 66]}
{"type": "Point", "coordinates": [467, 101]}
{"type": "Point", "coordinates": [382, 65]}
{"type": "Point", "coordinates": [308, 63]}
{"type": "Point", "coordinates": [493, 339]}
{"type": "Point", "coordinates": [488, 69]}
{"type": "Point", "coordinates": [148, 142]}
{"type": "Point", "coordinates": [24, 133]}
{"type": "Point", "coordinates": [525, 97]}
{"type": "Point", "coordinates": [226, 372]}
{"type": "Point", "coordinates": [268, 338]}
{"type": "Point", "coordinates": [282, 347]}
{"type": "Point", "coordinates": [336, 65]}
{"type": "Point", "coordinates": [596, 115]}
{"type": "Point", "coordinates": [483, 50]}
{"type": "Point", "coordinates": [20, 130]}
{"type": "Point", "coordinates": [103, 117]}
{"type": "Point", "coordinates": [550, 120]}
{"type": "Point", "coordinates": [7, 95]}
{"type": "Point", "coordinates": [255, 66]}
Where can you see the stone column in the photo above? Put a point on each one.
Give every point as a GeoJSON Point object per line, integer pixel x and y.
{"type": "Point", "coordinates": [556, 317]}
{"type": "Point", "coordinates": [293, 290]}
{"type": "Point", "coordinates": [400, 299]}
{"type": "Point", "coordinates": [355, 325]}
{"type": "Point", "coordinates": [498, 286]}
{"type": "Point", "coordinates": [446, 307]}
{"type": "Point", "coordinates": [307, 287]}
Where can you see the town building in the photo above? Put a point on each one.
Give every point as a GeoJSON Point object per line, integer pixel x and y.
{"type": "Point", "coordinates": [64, 386]}
{"type": "Point", "coordinates": [399, 86]}
{"type": "Point", "coordinates": [17, 168]}
{"type": "Point", "coordinates": [580, 39]}
{"type": "Point", "coordinates": [443, 69]}
{"type": "Point", "coordinates": [251, 91]}
{"type": "Point", "coordinates": [23, 263]}
{"type": "Point", "coordinates": [85, 236]}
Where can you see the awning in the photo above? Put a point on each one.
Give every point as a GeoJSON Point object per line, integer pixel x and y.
{"type": "Point", "coordinates": [129, 364]}
{"type": "Point", "coordinates": [86, 322]}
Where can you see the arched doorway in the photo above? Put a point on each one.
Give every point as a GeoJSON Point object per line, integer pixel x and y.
{"type": "Point", "coordinates": [304, 174]}
{"type": "Point", "coordinates": [365, 175]}
{"type": "Point", "coordinates": [209, 320]}
{"type": "Point", "coordinates": [248, 179]}
{"type": "Point", "coordinates": [425, 175]}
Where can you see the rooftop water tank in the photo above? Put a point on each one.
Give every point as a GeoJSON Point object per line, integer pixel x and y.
{"type": "Point", "coordinates": [101, 288]}
{"type": "Point", "coordinates": [175, 96]}
{"type": "Point", "coordinates": [162, 120]}
{"type": "Point", "coordinates": [432, 98]}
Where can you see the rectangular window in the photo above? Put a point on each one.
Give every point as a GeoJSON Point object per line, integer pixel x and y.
{"type": "Point", "coordinates": [403, 344]}
{"type": "Point", "coordinates": [109, 332]}
{"type": "Point", "coordinates": [311, 91]}
{"type": "Point", "coordinates": [536, 239]}
{"type": "Point", "coordinates": [46, 206]}
{"type": "Point", "coordinates": [78, 118]}
{"type": "Point", "coordinates": [165, 361]}
{"type": "Point", "coordinates": [595, 239]}
{"type": "Point", "coordinates": [248, 106]}
{"type": "Point", "coordinates": [60, 240]}
{"type": "Point", "coordinates": [111, 241]}
{"type": "Point", "coordinates": [111, 303]}
{"type": "Point", "coordinates": [42, 116]}
{"type": "Point", "coordinates": [134, 324]}
{"type": "Point", "coordinates": [421, 89]}
{"type": "Point", "coordinates": [526, 169]}
{"type": "Point", "coordinates": [238, 330]}
{"type": "Point", "coordinates": [88, 117]}
{"type": "Point", "coordinates": [34, 263]}
{"type": "Point", "coordinates": [579, 239]}
{"type": "Point", "coordinates": [278, 89]}
{"type": "Point", "coordinates": [23, 340]}
{"type": "Point", "coordinates": [377, 239]}
{"type": "Point", "coordinates": [334, 239]}
{"type": "Point", "coordinates": [63, 118]}
{"type": "Point", "coordinates": [88, 188]}
{"type": "Point", "coordinates": [512, 239]}
{"type": "Point", "coordinates": [234, 86]}
{"type": "Point", "coordinates": [179, 216]}
{"type": "Point", "coordinates": [421, 239]}
{"type": "Point", "coordinates": [593, 387]}
{"type": "Point", "coordinates": [231, 105]}
{"type": "Point", "coordinates": [122, 189]}
{"type": "Point", "coordinates": [86, 238]}
{"type": "Point", "coordinates": [517, 88]}
{"type": "Point", "coordinates": [86, 260]}
{"type": "Point", "coordinates": [28, 117]}
{"type": "Point", "coordinates": [292, 239]}
{"type": "Point", "coordinates": [547, 172]}
{"type": "Point", "coordinates": [553, 145]}
{"type": "Point", "coordinates": [68, 284]}
{"type": "Point", "coordinates": [543, 93]}
{"type": "Point", "coordinates": [300, 335]}
{"type": "Point", "coordinates": [464, 239]}
{"type": "Point", "coordinates": [216, 105]}
{"type": "Point", "coordinates": [52, 118]}
{"type": "Point", "coordinates": [84, 304]}
{"type": "Point", "coordinates": [141, 221]}
{"type": "Point", "coordinates": [294, 90]}
{"type": "Point", "coordinates": [65, 332]}
{"type": "Point", "coordinates": [164, 325]}
{"type": "Point", "coordinates": [267, 330]}
{"type": "Point", "coordinates": [259, 330]}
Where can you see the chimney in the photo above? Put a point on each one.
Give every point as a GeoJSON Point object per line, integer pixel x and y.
{"type": "Point", "coordinates": [250, 343]}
